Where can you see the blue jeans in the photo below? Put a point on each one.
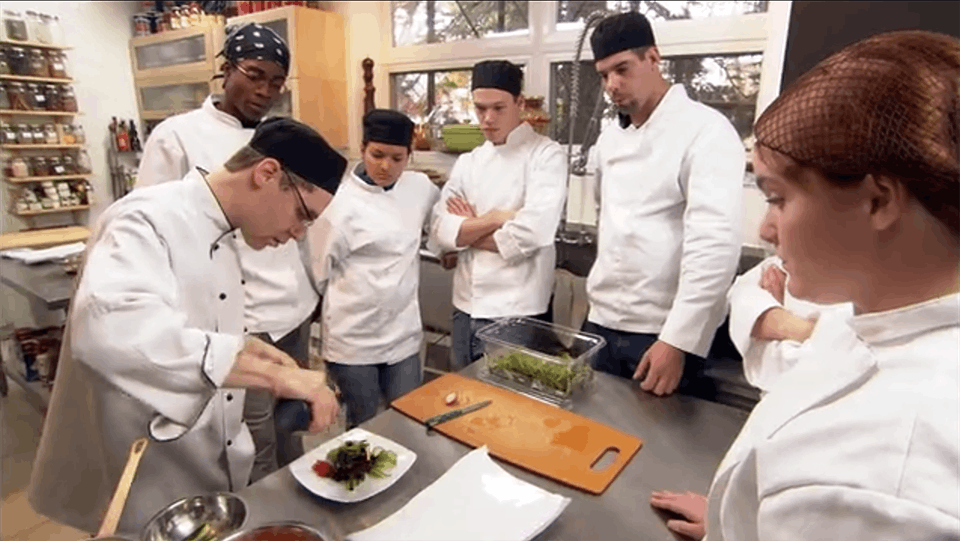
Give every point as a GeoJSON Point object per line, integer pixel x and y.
{"type": "Point", "coordinates": [362, 385]}
{"type": "Point", "coordinates": [623, 350]}
{"type": "Point", "coordinates": [465, 347]}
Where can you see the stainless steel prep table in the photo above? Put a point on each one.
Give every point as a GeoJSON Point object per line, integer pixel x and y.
{"type": "Point", "coordinates": [684, 440]}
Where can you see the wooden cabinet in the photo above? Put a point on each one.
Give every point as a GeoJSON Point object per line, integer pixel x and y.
{"type": "Point", "coordinates": [317, 80]}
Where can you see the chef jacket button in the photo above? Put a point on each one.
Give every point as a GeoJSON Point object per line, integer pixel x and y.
{"type": "Point", "coordinates": [229, 397]}
{"type": "Point", "coordinates": [243, 282]}
{"type": "Point", "coordinates": [223, 296]}
{"type": "Point", "coordinates": [229, 443]}
{"type": "Point", "coordinates": [215, 246]}
{"type": "Point", "coordinates": [244, 329]}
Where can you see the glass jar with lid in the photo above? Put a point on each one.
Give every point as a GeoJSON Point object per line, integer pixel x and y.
{"type": "Point", "coordinates": [4, 63]}
{"type": "Point", "coordinates": [18, 60]}
{"type": "Point", "coordinates": [8, 134]}
{"type": "Point", "coordinates": [44, 35]}
{"type": "Point", "coordinates": [38, 137]}
{"type": "Point", "coordinates": [15, 26]}
{"type": "Point", "coordinates": [56, 31]}
{"type": "Point", "coordinates": [17, 93]}
{"type": "Point", "coordinates": [24, 135]}
{"type": "Point", "coordinates": [52, 94]}
{"type": "Point", "coordinates": [56, 62]}
{"type": "Point", "coordinates": [65, 131]}
{"type": "Point", "coordinates": [84, 164]}
{"type": "Point", "coordinates": [4, 97]}
{"type": "Point", "coordinates": [32, 18]}
{"type": "Point", "coordinates": [38, 100]}
{"type": "Point", "coordinates": [79, 134]}
{"type": "Point", "coordinates": [40, 167]}
{"type": "Point", "coordinates": [69, 164]}
{"type": "Point", "coordinates": [68, 101]}
{"type": "Point", "coordinates": [56, 166]}
{"type": "Point", "coordinates": [18, 167]}
{"type": "Point", "coordinates": [38, 64]}
{"type": "Point", "coordinates": [50, 134]}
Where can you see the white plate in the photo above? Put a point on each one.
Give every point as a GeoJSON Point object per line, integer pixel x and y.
{"type": "Point", "coordinates": [475, 500]}
{"type": "Point", "coordinates": [302, 468]}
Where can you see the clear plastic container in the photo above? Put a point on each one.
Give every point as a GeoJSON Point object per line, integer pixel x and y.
{"type": "Point", "coordinates": [546, 361]}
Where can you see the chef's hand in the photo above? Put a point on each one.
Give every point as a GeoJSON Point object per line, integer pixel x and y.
{"type": "Point", "coordinates": [774, 280]}
{"type": "Point", "coordinates": [459, 207]}
{"type": "Point", "coordinates": [691, 506]}
{"type": "Point", "coordinates": [448, 260]}
{"type": "Point", "coordinates": [311, 386]}
{"type": "Point", "coordinates": [256, 348]}
{"type": "Point", "coordinates": [663, 366]}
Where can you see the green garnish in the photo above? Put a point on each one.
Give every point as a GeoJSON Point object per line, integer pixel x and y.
{"type": "Point", "coordinates": [203, 533]}
{"type": "Point", "coordinates": [561, 377]}
{"type": "Point", "coordinates": [354, 460]}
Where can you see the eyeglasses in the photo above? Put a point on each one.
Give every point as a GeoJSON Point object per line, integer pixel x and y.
{"type": "Point", "coordinates": [257, 77]}
{"type": "Point", "coordinates": [306, 217]}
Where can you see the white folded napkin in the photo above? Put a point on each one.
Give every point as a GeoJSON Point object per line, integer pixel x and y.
{"type": "Point", "coordinates": [31, 256]}
{"type": "Point", "coordinates": [475, 500]}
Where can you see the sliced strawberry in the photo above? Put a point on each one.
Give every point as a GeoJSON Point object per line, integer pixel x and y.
{"type": "Point", "coordinates": [323, 468]}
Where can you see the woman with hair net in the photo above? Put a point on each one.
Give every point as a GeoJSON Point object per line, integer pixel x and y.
{"type": "Point", "coordinates": [860, 163]}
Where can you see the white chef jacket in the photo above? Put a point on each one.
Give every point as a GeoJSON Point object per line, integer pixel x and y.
{"type": "Point", "coordinates": [154, 329]}
{"type": "Point", "coordinates": [279, 296]}
{"type": "Point", "coordinates": [669, 223]}
{"type": "Point", "coordinates": [365, 256]}
{"type": "Point", "coordinates": [526, 174]}
{"type": "Point", "coordinates": [764, 361]}
{"type": "Point", "coordinates": [860, 440]}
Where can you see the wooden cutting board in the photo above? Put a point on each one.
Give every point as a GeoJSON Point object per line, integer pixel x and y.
{"type": "Point", "coordinates": [525, 432]}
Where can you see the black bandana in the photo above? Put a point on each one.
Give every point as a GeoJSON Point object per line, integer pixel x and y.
{"type": "Point", "coordinates": [257, 42]}
{"type": "Point", "coordinates": [300, 149]}
{"type": "Point", "coordinates": [621, 33]}
{"type": "Point", "coordinates": [388, 127]}
{"type": "Point", "coordinates": [498, 74]}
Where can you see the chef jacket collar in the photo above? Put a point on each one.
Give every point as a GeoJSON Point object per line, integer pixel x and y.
{"type": "Point", "coordinates": [361, 173]}
{"type": "Point", "coordinates": [214, 224]}
{"type": "Point", "coordinates": [209, 107]}
{"type": "Point", "coordinates": [520, 135]}
{"type": "Point", "coordinates": [673, 94]}
{"type": "Point", "coordinates": [902, 323]}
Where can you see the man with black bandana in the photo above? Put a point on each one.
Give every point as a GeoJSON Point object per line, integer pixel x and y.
{"type": "Point", "coordinates": [669, 182]}
{"type": "Point", "coordinates": [154, 346]}
{"type": "Point", "coordinates": [500, 211]}
{"type": "Point", "coordinates": [279, 297]}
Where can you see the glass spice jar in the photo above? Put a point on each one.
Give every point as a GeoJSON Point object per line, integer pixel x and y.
{"type": "Point", "coordinates": [69, 164]}
{"type": "Point", "coordinates": [84, 164]}
{"type": "Point", "coordinates": [38, 100]}
{"type": "Point", "coordinates": [79, 134]}
{"type": "Point", "coordinates": [4, 64]}
{"type": "Point", "coordinates": [56, 61]}
{"type": "Point", "coordinates": [33, 25]}
{"type": "Point", "coordinates": [24, 135]}
{"type": "Point", "coordinates": [68, 101]}
{"type": "Point", "coordinates": [15, 26]}
{"type": "Point", "coordinates": [56, 166]}
{"type": "Point", "coordinates": [17, 93]}
{"type": "Point", "coordinates": [66, 134]}
{"type": "Point", "coordinates": [4, 97]}
{"type": "Point", "coordinates": [18, 60]}
{"type": "Point", "coordinates": [38, 137]}
{"type": "Point", "coordinates": [19, 167]}
{"type": "Point", "coordinates": [44, 33]}
{"type": "Point", "coordinates": [38, 64]}
{"type": "Point", "coordinates": [40, 167]}
{"type": "Point", "coordinates": [8, 134]}
{"type": "Point", "coordinates": [50, 134]}
{"type": "Point", "coordinates": [52, 94]}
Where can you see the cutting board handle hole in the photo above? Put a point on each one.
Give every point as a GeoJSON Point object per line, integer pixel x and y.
{"type": "Point", "coordinates": [606, 459]}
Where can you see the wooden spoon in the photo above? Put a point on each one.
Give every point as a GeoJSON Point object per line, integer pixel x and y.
{"type": "Point", "coordinates": [112, 517]}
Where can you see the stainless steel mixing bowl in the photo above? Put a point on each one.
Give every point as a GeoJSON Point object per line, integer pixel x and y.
{"type": "Point", "coordinates": [219, 514]}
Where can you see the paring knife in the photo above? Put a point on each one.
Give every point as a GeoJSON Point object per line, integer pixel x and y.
{"type": "Point", "coordinates": [444, 417]}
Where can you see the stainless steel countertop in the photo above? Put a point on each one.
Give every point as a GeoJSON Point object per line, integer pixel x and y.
{"type": "Point", "coordinates": [684, 440]}
{"type": "Point", "coordinates": [47, 283]}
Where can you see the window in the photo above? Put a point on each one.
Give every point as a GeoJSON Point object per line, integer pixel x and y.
{"type": "Point", "coordinates": [431, 21]}
{"type": "Point", "coordinates": [572, 13]}
{"type": "Point", "coordinates": [728, 83]}
{"type": "Point", "coordinates": [418, 93]}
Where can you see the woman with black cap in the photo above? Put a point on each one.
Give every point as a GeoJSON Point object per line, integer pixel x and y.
{"type": "Point", "coordinates": [860, 162]}
{"type": "Point", "coordinates": [367, 248]}
{"type": "Point", "coordinates": [669, 183]}
{"type": "Point", "coordinates": [279, 297]}
{"type": "Point", "coordinates": [154, 345]}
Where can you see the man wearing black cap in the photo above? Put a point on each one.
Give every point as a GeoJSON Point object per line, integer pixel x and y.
{"type": "Point", "coordinates": [279, 297]}
{"type": "Point", "coordinates": [368, 246]}
{"type": "Point", "coordinates": [500, 210]}
{"type": "Point", "coordinates": [154, 346]}
{"type": "Point", "coordinates": [669, 175]}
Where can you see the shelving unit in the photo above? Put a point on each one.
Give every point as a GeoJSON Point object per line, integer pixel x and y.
{"type": "Point", "coordinates": [51, 211]}
{"type": "Point", "coordinates": [38, 147]}
{"type": "Point", "coordinates": [29, 79]}
{"type": "Point", "coordinates": [11, 112]}
{"type": "Point", "coordinates": [54, 178]}
{"type": "Point", "coordinates": [35, 45]}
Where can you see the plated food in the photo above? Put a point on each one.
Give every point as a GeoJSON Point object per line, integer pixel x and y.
{"type": "Point", "coordinates": [353, 461]}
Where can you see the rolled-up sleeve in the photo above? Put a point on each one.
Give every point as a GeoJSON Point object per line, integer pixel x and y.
{"type": "Point", "coordinates": [711, 177]}
{"type": "Point", "coordinates": [446, 226]}
{"type": "Point", "coordinates": [535, 224]}
{"type": "Point", "coordinates": [164, 158]}
{"type": "Point", "coordinates": [747, 301]}
{"type": "Point", "coordinates": [127, 324]}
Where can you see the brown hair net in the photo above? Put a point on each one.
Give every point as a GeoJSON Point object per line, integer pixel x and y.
{"type": "Point", "coordinates": [887, 105]}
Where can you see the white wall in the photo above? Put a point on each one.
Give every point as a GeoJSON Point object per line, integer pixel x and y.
{"type": "Point", "coordinates": [100, 64]}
